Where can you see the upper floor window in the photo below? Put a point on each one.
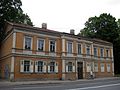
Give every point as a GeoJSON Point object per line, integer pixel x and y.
{"type": "Point", "coordinates": [88, 50]}
{"type": "Point", "coordinates": [69, 47]}
{"type": "Point", "coordinates": [40, 45]}
{"type": "Point", "coordinates": [28, 43]}
{"type": "Point", "coordinates": [101, 52]}
{"type": "Point", "coordinates": [107, 53]}
{"type": "Point", "coordinates": [79, 48]}
{"type": "Point", "coordinates": [52, 46]}
{"type": "Point", "coordinates": [95, 51]}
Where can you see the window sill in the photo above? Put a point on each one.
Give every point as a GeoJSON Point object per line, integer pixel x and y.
{"type": "Point", "coordinates": [52, 72]}
{"type": "Point", "coordinates": [26, 72]}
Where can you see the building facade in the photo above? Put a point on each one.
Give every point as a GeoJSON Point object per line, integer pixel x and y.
{"type": "Point", "coordinates": [29, 53]}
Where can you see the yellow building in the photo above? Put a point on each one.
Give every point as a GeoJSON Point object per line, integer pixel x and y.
{"type": "Point", "coordinates": [29, 53]}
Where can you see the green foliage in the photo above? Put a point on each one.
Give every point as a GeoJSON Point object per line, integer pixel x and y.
{"type": "Point", "coordinates": [105, 27]}
{"type": "Point", "coordinates": [10, 10]}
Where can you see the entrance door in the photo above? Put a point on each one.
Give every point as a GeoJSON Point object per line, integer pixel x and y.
{"type": "Point", "coordinates": [80, 70]}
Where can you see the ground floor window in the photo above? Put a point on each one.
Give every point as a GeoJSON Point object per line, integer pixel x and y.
{"type": "Point", "coordinates": [102, 67]}
{"type": "Point", "coordinates": [96, 67]}
{"type": "Point", "coordinates": [108, 67]}
{"type": "Point", "coordinates": [40, 66]}
{"type": "Point", "coordinates": [26, 66]}
{"type": "Point", "coordinates": [69, 66]}
{"type": "Point", "coordinates": [53, 67]}
{"type": "Point", "coordinates": [88, 67]}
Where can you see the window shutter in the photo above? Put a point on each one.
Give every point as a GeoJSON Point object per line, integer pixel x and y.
{"type": "Point", "coordinates": [73, 68]}
{"type": "Point", "coordinates": [66, 68]}
{"type": "Point", "coordinates": [56, 67]}
{"type": "Point", "coordinates": [31, 66]}
{"type": "Point", "coordinates": [48, 68]}
{"type": "Point", "coordinates": [36, 66]}
{"type": "Point", "coordinates": [21, 65]}
{"type": "Point", "coordinates": [88, 67]}
{"type": "Point", "coordinates": [44, 67]}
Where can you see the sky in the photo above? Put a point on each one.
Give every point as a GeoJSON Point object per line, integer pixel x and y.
{"type": "Point", "coordinates": [63, 15]}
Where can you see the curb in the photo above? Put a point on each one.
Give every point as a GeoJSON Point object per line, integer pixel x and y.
{"type": "Point", "coordinates": [7, 83]}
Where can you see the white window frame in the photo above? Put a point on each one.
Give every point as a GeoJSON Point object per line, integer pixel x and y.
{"type": "Point", "coordinates": [22, 66]}
{"type": "Point", "coordinates": [24, 42]}
{"type": "Point", "coordinates": [55, 67]}
{"type": "Point", "coordinates": [102, 67]}
{"type": "Point", "coordinates": [96, 52]}
{"type": "Point", "coordinates": [96, 67]}
{"type": "Point", "coordinates": [78, 49]}
{"type": "Point", "coordinates": [108, 67]}
{"type": "Point", "coordinates": [70, 67]}
{"type": "Point", "coordinates": [68, 48]}
{"type": "Point", "coordinates": [101, 55]}
{"type": "Point", "coordinates": [43, 45]}
{"type": "Point", "coordinates": [50, 44]}
{"type": "Point", "coordinates": [107, 53]}
{"type": "Point", "coordinates": [89, 50]}
{"type": "Point", "coordinates": [43, 66]}
{"type": "Point", "coordinates": [88, 67]}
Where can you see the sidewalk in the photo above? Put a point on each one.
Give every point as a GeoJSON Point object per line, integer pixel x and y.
{"type": "Point", "coordinates": [7, 83]}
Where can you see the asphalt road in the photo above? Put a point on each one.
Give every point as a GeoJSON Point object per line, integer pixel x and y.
{"type": "Point", "coordinates": [113, 84]}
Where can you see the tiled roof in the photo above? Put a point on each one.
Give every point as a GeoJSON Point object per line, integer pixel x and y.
{"type": "Point", "coordinates": [51, 32]}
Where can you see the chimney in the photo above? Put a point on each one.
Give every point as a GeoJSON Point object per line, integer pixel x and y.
{"type": "Point", "coordinates": [72, 31]}
{"type": "Point", "coordinates": [44, 25]}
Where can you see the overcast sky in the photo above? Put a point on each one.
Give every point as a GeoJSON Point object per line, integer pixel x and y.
{"type": "Point", "coordinates": [63, 15]}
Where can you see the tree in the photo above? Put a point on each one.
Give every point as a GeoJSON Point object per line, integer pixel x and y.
{"type": "Point", "coordinates": [105, 27]}
{"type": "Point", "coordinates": [10, 10]}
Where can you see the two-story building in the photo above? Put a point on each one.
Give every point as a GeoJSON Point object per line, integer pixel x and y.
{"type": "Point", "coordinates": [31, 53]}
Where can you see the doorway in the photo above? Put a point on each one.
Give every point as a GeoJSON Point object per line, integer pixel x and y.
{"type": "Point", "coordinates": [80, 70]}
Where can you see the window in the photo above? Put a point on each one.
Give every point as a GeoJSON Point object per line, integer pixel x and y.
{"type": "Point", "coordinates": [70, 67]}
{"type": "Point", "coordinates": [107, 53]}
{"type": "Point", "coordinates": [96, 67]}
{"type": "Point", "coordinates": [40, 66]}
{"type": "Point", "coordinates": [40, 45]}
{"type": "Point", "coordinates": [26, 66]}
{"type": "Point", "coordinates": [79, 48]}
{"type": "Point", "coordinates": [52, 66]}
{"type": "Point", "coordinates": [102, 67]}
{"type": "Point", "coordinates": [108, 67]}
{"type": "Point", "coordinates": [101, 52]}
{"type": "Point", "coordinates": [95, 52]}
{"type": "Point", "coordinates": [52, 46]}
{"type": "Point", "coordinates": [28, 43]}
{"type": "Point", "coordinates": [88, 50]}
{"type": "Point", "coordinates": [69, 47]}
{"type": "Point", "coordinates": [88, 67]}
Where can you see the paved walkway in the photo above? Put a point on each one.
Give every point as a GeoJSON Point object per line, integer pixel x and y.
{"type": "Point", "coordinates": [7, 83]}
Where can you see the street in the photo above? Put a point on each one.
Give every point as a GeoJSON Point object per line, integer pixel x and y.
{"type": "Point", "coordinates": [111, 84]}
